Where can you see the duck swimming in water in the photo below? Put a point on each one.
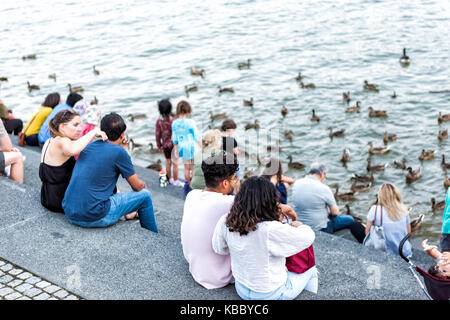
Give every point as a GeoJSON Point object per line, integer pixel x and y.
{"type": "Point", "coordinates": [32, 87]}
{"type": "Point", "coordinates": [443, 134]}
{"type": "Point", "coordinates": [412, 175]}
{"type": "Point", "coordinates": [426, 155]}
{"type": "Point", "coordinates": [248, 103]}
{"type": "Point", "coordinates": [404, 59]}
{"type": "Point", "coordinates": [314, 117]}
{"type": "Point", "coordinates": [339, 133]}
{"type": "Point", "coordinates": [197, 72]}
{"type": "Point", "coordinates": [443, 117]}
{"type": "Point", "coordinates": [295, 165]}
{"type": "Point", "coordinates": [244, 65]}
{"type": "Point", "coordinates": [377, 113]}
{"type": "Point", "coordinates": [389, 137]}
{"type": "Point", "coordinates": [307, 86]}
{"type": "Point", "coordinates": [354, 108]}
{"type": "Point", "coordinates": [377, 150]}
{"type": "Point", "coordinates": [370, 87]}
{"type": "Point", "coordinates": [346, 96]}
{"type": "Point", "coordinates": [437, 206]}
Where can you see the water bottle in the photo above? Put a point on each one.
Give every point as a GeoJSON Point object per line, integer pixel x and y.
{"type": "Point", "coordinates": [163, 182]}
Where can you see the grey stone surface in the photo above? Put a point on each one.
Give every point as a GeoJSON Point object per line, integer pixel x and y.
{"type": "Point", "coordinates": [42, 284]}
{"type": "Point", "coordinates": [6, 278]}
{"type": "Point", "coordinates": [42, 296]}
{"type": "Point", "coordinates": [32, 292]}
{"type": "Point", "coordinates": [13, 296]}
{"type": "Point", "coordinates": [15, 283]}
{"type": "Point", "coordinates": [15, 272]}
{"type": "Point", "coordinates": [61, 294]}
{"type": "Point", "coordinates": [24, 275]}
{"type": "Point", "coordinates": [125, 261]}
{"type": "Point", "coordinates": [5, 291]}
{"type": "Point", "coordinates": [51, 289]}
{"type": "Point", "coordinates": [24, 287]}
{"type": "Point", "coordinates": [33, 280]}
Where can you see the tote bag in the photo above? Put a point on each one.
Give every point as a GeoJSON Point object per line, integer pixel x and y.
{"type": "Point", "coordinates": [376, 238]}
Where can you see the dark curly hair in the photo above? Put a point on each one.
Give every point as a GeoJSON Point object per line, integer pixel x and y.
{"type": "Point", "coordinates": [256, 201]}
{"type": "Point", "coordinates": [219, 166]}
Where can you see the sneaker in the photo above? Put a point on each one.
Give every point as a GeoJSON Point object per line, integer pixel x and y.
{"type": "Point", "coordinates": [171, 180]}
{"type": "Point", "coordinates": [178, 183]}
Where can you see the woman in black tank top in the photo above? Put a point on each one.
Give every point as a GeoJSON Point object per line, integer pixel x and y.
{"type": "Point", "coordinates": [56, 167]}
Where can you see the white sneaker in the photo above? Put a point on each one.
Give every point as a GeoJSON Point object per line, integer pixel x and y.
{"type": "Point", "coordinates": [178, 183]}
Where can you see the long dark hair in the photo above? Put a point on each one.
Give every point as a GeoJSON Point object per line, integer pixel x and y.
{"type": "Point", "coordinates": [256, 201]}
{"type": "Point", "coordinates": [61, 117]}
{"type": "Point", "coordinates": [52, 100]}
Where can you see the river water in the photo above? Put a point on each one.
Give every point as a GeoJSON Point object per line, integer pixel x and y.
{"type": "Point", "coordinates": [144, 51]}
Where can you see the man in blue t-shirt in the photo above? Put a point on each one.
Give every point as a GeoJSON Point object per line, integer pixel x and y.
{"type": "Point", "coordinates": [89, 200]}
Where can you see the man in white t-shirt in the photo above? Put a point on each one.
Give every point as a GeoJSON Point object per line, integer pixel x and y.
{"type": "Point", "coordinates": [10, 156]}
{"type": "Point", "coordinates": [202, 210]}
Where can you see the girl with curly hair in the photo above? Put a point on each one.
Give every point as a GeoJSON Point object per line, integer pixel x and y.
{"type": "Point", "coordinates": [258, 243]}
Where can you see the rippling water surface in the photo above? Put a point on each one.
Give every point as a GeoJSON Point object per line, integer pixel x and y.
{"type": "Point", "coordinates": [144, 50]}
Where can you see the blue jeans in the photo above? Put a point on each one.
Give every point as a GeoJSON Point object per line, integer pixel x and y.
{"type": "Point", "coordinates": [337, 223]}
{"type": "Point", "coordinates": [124, 203]}
{"type": "Point", "coordinates": [294, 285]}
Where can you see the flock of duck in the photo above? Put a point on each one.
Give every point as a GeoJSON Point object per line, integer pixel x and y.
{"type": "Point", "coordinates": [360, 183]}
{"type": "Point", "coordinates": [35, 87]}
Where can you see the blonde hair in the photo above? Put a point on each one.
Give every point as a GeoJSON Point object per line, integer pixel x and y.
{"type": "Point", "coordinates": [212, 139]}
{"type": "Point", "coordinates": [389, 197]}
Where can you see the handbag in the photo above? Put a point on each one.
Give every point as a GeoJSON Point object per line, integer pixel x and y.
{"type": "Point", "coordinates": [302, 261]}
{"type": "Point", "coordinates": [376, 238]}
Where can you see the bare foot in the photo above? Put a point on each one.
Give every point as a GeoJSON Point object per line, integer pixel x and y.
{"type": "Point", "coordinates": [131, 216]}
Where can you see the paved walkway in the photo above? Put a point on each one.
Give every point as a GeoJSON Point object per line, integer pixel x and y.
{"type": "Point", "coordinates": [19, 284]}
{"type": "Point", "coordinates": [126, 261]}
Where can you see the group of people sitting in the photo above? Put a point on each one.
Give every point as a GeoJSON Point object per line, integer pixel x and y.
{"type": "Point", "coordinates": [230, 232]}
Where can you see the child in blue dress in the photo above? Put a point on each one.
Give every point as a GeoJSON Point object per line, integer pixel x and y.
{"type": "Point", "coordinates": [186, 139]}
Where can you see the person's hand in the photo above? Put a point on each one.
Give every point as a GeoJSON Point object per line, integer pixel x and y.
{"type": "Point", "coordinates": [14, 150]}
{"type": "Point", "coordinates": [296, 224]}
{"type": "Point", "coordinates": [288, 212]}
{"type": "Point", "coordinates": [426, 246]}
{"type": "Point", "coordinates": [101, 134]}
{"type": "Point", "coordinates": [124, 143]}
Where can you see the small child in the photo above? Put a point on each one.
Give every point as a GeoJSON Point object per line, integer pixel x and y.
{"type": "Point", "coordinates": [229, 144]}
{"type": "Point", "coordinates": [186, 139]}
{"type": "Point", "coordinates": [90, 117]}
{"type": "Point", "coordinates": [163, 134]}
